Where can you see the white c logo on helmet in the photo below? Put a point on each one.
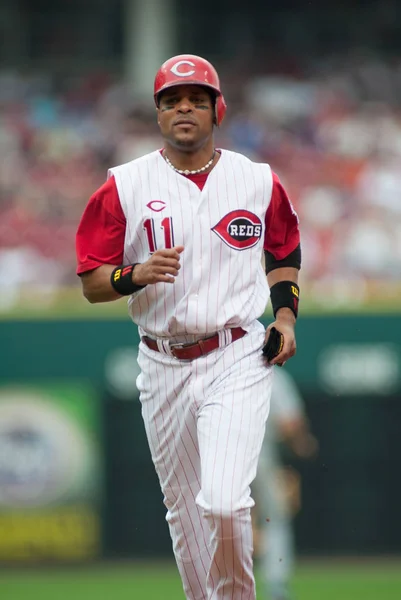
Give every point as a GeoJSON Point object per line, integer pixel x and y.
{"type": "Point", "coordinates": [175, 70]}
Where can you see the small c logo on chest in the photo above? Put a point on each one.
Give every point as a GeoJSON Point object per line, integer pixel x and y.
{"type": "Point", "coordinates": [156, 205]}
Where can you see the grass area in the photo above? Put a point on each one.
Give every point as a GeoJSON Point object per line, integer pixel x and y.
{"type": "Point", "coordinates": [68, 302]}
{"type": "Point", "coordinates": [313, 581]}
{"type": "Point", "coordinates": [342, 582]}
{"type": "Point", "coordinates": [72, 306]}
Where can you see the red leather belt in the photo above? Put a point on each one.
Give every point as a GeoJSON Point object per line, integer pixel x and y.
{"type": "Point", "coordinates": [199, 348]}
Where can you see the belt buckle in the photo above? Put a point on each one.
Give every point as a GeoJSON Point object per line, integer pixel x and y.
{"type": "Point", "coordinates": [174, 346]}
{"type": "Point", "coordinates": [178, 346]}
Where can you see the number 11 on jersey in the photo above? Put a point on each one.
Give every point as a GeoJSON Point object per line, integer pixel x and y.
{"type": "Point", "coordinates": [166, 225]}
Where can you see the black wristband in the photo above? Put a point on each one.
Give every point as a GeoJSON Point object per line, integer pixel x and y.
{"type": "Point", "coordinates": [121, 280]}
{"type": "Point", "coordinates": [284, 294]}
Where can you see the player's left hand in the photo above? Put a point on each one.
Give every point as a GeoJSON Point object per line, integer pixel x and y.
{"type": "Point", "coordinates": [285, 324]}
{"type": "Point", "coordinates": [305, 446]}
{"type": "Point", "coordinates": [296, 433]}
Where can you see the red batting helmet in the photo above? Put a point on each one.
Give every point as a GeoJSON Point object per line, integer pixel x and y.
{"type": "Point", "coordinates": [187, 69]}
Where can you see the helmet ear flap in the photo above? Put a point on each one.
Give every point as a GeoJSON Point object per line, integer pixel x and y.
{"type": "Point", "coordinates": [220, 109]}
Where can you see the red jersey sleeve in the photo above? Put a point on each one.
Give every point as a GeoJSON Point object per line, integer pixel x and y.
{"type": "Point", "coordinates": [101, 231]}
{"type": "Point", "coordinates": [282, 232]}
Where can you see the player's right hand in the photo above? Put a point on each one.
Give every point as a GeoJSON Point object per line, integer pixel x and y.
{"type": "Point", "coordinates": [162, 266]}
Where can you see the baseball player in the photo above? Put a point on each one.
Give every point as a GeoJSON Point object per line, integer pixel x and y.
{"type": "Point", "coordinates": [180, 232]}
{"type": "Point", "coordinates": [287, 423]}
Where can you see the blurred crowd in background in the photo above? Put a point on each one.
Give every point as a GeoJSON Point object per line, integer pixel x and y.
{"type": "Point", "coordinates": [332, 133]}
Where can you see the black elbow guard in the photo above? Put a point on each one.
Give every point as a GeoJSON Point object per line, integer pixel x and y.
{"type": "Point", "coordinates": [292, 260]}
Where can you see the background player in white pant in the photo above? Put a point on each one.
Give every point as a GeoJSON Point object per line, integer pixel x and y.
{"type": "Point", "coordinates": [180, 231]}
{"type": "Point", "coordinates": [276, 489]}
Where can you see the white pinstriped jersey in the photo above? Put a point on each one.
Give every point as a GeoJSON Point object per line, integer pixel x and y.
{"type": "Point", "coordinates": [221, 282]}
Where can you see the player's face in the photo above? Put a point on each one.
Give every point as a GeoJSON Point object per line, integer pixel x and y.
{"type": "Point", "coordinates": [185, 116]}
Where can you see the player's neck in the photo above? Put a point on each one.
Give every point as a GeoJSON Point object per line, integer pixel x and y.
{"type": "Point", "coordinates": [191, 161]}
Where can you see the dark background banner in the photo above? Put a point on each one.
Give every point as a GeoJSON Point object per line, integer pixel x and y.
{"type": "Point", "coordinates": [348, 370]}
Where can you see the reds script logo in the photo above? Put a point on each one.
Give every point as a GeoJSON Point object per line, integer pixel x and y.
{"type": "Point", "coordinates": [178, 73]}
{"type": "Point", "coordinates": [239, 229]}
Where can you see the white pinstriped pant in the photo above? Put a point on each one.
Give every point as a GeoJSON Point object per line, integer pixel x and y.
{"type": "Point", "coordinates": [205, 422]}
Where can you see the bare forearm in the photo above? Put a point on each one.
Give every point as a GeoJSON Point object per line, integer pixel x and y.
{"type": "Point", "coordinates": [282, 274]}
{"type": "Point", "coordinates": [161, 267]}
{"type": "Point", "coordinates": [96, 286]}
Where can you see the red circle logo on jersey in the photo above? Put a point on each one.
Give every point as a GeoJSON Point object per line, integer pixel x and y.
{"type": "Point", "coordinates": [239, 229]}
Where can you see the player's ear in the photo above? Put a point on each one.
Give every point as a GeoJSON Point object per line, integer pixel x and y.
{"type": "Point", "coordinates": [213, 99]}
